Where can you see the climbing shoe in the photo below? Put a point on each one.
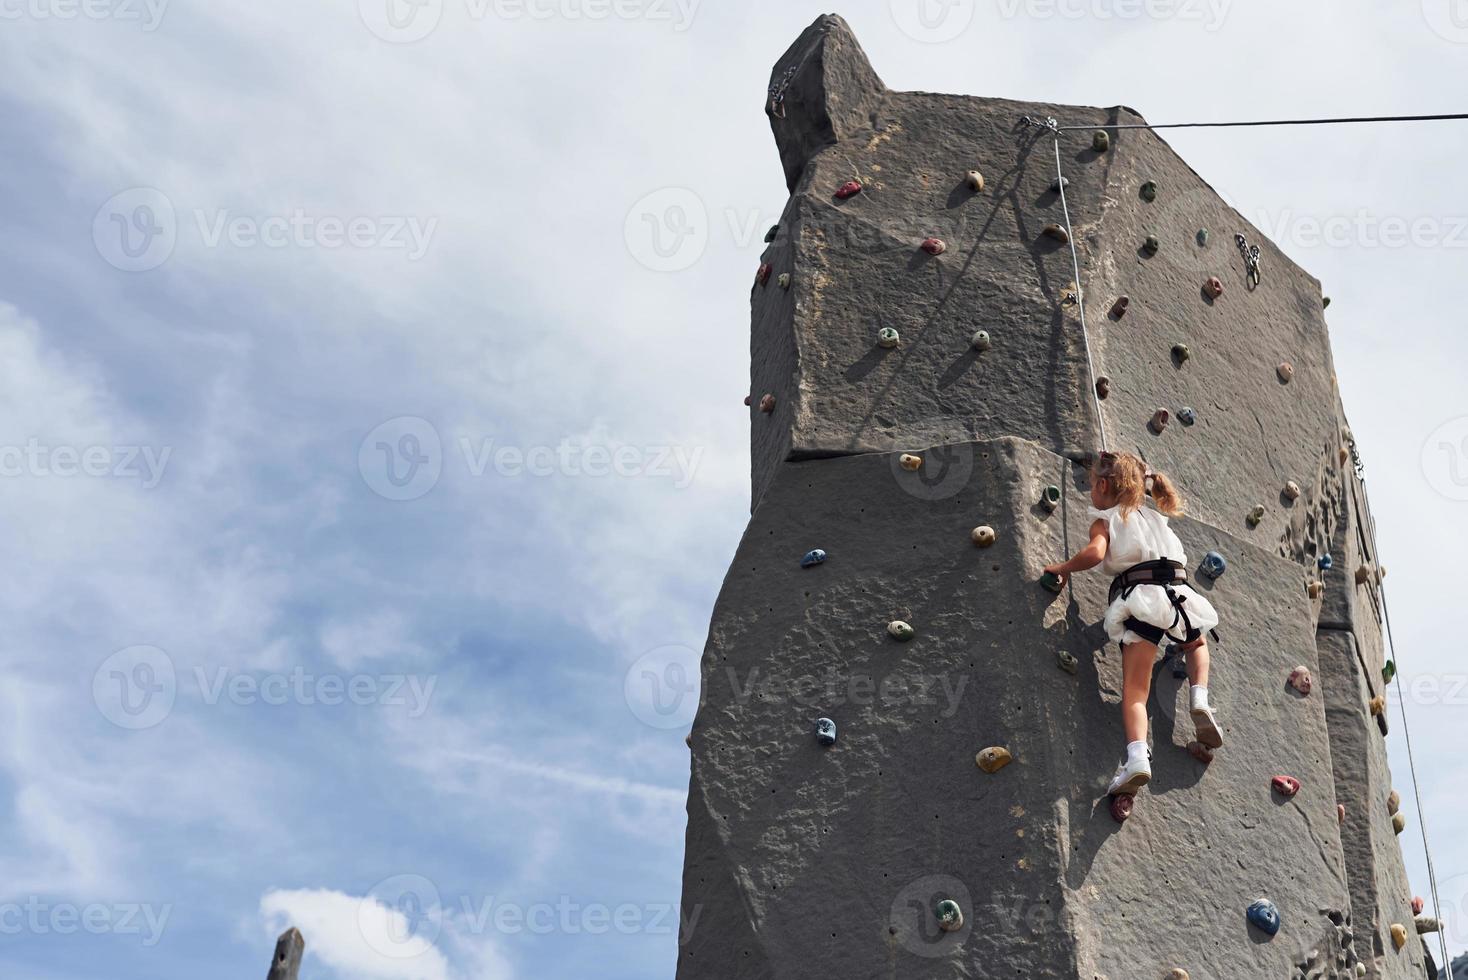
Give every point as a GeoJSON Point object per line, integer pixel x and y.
{"type": "Point", "coordinates": [1130, 777]}
{"type": "Point", "coordinates": [1207, 727]}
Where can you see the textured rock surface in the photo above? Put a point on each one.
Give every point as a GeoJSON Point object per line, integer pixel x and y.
{"type": "Point", "coordinates": [817, 861]}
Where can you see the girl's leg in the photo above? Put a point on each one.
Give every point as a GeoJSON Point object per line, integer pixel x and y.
{"type": "Point", "coordinates": [1198, 662]}
{"type": "Point", "coordinates": [1204, 724]}
{"type": "Point", "coordinates": [1136, 674]}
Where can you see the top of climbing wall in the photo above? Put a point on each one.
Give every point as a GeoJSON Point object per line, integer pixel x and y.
{"type": "Point", "coordinates": [889, 259]}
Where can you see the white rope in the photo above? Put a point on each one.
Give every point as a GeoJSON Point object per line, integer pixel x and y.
{"type": "Point", "coordinates": [1406, 731]}
{"type": "Point", "coordinates": [1075, 264]}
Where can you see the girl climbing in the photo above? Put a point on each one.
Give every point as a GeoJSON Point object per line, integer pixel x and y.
{"type": "Point", "coordinates": [1149, 599]}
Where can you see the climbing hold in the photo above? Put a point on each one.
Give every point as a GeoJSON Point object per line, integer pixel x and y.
{"type": "Point", "coordinates": [812, 558]}
{"type": "Point", "coordinates": [1286, 371]}
{"type": "Point", "coordinates": [1118, 309]}
{"type": "Point", "coordinates": [1340, 813]}
{"type": "Point", "coordinates": [975, 181]}
{"type": "Point", "coordinates": [1380, 572]}
{"type": "Point", "coordinates": [1378, 706]}
{"type": "Point", "coordinates": [1059, 184]}
{"type": "Point", "coordinates": [1345, 454]}
{"type": "Point", "coordinates": [748, 400]}
{"type": "Point", "coordinates": [688, 740]}
{"type": "Point", "coordinates": [1418, 905]}
{"type": "Point", "coordinates": [1050, 498]}
{"type": "Point", "coordinates": [1151, 244]}
{"type": "Point", "coordinates": [1324, 302]}
{"type": "Point", "coordinates": [1315, 589]}
{"type": "Point", "coordinates": [994, 758]}
{"type": "Point", "coordinates": [1187, 415]}
{"type": "Point", "coordinates": [1181, 353]}
{"type": "Point", "coordinates": [1399, 935]}
{"type": "Point", "coordinates": [1301, 680]}
{"type": "Point", "coordinates": [934, 246]}
{"type": "Point", "coordinates": [1068, 662]}
{"type": "Point", "coordinates": [888, 337]}
{"type": "Point", "coordinates": [1178, 973]}
{"type": "Point", "coordinates": [1202, 237]}
{"type": "Point", "coordinates": [910, 462]}
{"type": "Point", "coordinates": [1264, 916]}
{"type": "Point", "coordinates": [1213, 565]}
{"type": "Point", "coordinates": [901, 631]}
{"type": "Point", "coordinates": [849, 189]}
{"type": "Point", "coordinates": [1056, 232]}
{"type": "Point", "coordinates": [1363, 574]}
{"type": "Point", "coordinates": [1213, 286]}
{"type": "Point", "coordinates": [1426, 923]}
{"type": "Point", "coordinates": [1388, 671]}
{"type": "Point", "coordinates": [1325, 562]}
{"type": "Point", "coordinates": [1121, 807]}
{"type": "Point", "coordinates": [1100, 141]}
{"type": "Point", "coordinates": [1179, 660]}
{"type": "Point", "coordinates": [983, 535]}
{"type": "Point", "coordinates": [1393, 802]}
{"type": "Point", "coordinates": [770, 235]}
{"type": "Point", "coordinates": [1200, 752]}
{"type": "Point", "coordinates": [825, 731]}
{"type": "Point", "coordinates": [950, 916]}
{"type": "Point", "coordinates": [767, 404]}
{"type": "Point", "coordinates": [1160, 418]}
{"type": "Point", "coordinates": [762, 276]}
{"type": "Point", "coordinates": [1051, 581]}
{"type": "Point", "coordinates": [1103, 387]}
{"type": "Point", "coordinates": [1256, 515]}
{"type": "Point", "coordinates": [1399, 822]}
{"type": "Point", "coordinates": [784, 280]}
{"type": "Point", "coordinates": [1292, 490]}
{"type": "Point", "coordinates": [980, 341]}
{"type": "Point", "coordinates": [1149, 191]}
{"type": "Point", "coordinates": [1286, 786]}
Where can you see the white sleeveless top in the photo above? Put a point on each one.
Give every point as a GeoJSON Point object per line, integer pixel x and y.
{"type": "Point", "coordinates": [1143, 536]}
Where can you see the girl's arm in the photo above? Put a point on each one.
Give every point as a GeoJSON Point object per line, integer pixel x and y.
{"type": "Point", "coordinates": [1088, 557]}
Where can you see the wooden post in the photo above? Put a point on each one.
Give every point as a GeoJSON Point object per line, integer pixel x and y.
{"type": "Point", "coordinates": [289, 949]}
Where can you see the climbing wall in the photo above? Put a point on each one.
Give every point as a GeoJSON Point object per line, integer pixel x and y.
{"type": "Point", "coordinates": [885, 429]}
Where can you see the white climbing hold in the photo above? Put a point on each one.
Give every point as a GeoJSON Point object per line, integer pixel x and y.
{"type": "Point", "coordinates": [910, 462]}
{"type": "Point", "coordinates": [1399, 822]}
{"type": "Point", "coordinates": [981, 341]}
{"type": "Point", "coordinates": [887, 337]}
{"type": "Point", "coordinates": [1292, 490]}
{"type": "Point", "coordinates": [1393, 802]}
{"type": "Point", "coordinates": [983, 535]}
{"type": "Point", "coordinates": [975, 181]}
{"type": "Point", "coordinates": [900, 630]}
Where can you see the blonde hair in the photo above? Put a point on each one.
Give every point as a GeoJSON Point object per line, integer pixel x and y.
{"type": "Point", "coordinates": [1130, 481]}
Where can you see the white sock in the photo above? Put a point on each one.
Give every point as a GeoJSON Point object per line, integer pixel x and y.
{"type": "Point", "coordinates": [1200, 696]}
{"type": "Point", "coordinates": [1136, 752]}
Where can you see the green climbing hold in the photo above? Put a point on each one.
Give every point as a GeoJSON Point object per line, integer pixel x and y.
{"type": "Point", "coordinates": [1151, 245]}
{"type": "Point", "coordinates": [901, 631]}
{"type": "Point", "coordinates": [1324, 302]}
{"type": "Point", "coordinates": [1149, 191]}
{"type": "Point", "coordinates": [1068, 662]}
{"type": "Point", "coordinates": [1202, 237]}
{"type": "Point", "coordinates": [1051, 581]}
{"type": "Point", "coordinates": [1388, 671]}
{"type": "Point", "coordinates": [770, 235]}
{"type": "Point", "coordinates": [887, 337]}
{"type": "Point", "coordinates": [1256, 515]}
{"type": "Point", "coordinates": [1100, 141]}
{"type": "Point", "coordinates": [1050, 498]}
{"type": "Point", "coordinates": [950, 916]}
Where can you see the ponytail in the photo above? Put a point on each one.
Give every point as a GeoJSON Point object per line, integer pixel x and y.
{"type": "Point", "coordinates": [1131, 482]}
{"type": "Point", "coordinates": [1165, 495]}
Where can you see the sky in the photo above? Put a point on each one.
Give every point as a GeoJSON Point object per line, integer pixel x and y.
{"type": "Point", "coordinates": [372, 448]}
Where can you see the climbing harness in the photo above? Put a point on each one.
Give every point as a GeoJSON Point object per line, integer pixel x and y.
{"type": "Point", "coordinates": [1166, 573]}
{"type": "Point", "coordinates": [1251, 259]}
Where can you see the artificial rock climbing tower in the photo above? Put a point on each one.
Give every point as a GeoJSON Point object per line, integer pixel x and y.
{"type": "Point", "coordinates": [886, 429]}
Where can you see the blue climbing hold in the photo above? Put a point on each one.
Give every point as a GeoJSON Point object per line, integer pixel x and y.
{"type": "Point", "coordinates": [1186, 415]}
{"type": "Point", "coordinates": [814, 557]}
{"type": "Point", "coordinates": [825, 731]}
{"type": "Point", "coordinates": [1325, 562]}
{"type": "Point", "coordinates": [1264, 916]}
{"type": "Point", "coordinates": [1214, 564]}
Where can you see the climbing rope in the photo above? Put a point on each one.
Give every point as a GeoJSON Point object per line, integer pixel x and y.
{"type": "Point", "coordinates": [1075, 264]}
{"type": "Point", "coordinates": [1402, 705]}
{"type": "Point", "coordinates": [777, 91]}
{"type": "Point", "coordinates": [1275, 122]}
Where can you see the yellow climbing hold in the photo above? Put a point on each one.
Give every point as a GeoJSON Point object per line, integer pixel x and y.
{"type": "Point", "coordinates": [994, 758]}
{"type": "Point", "coordinates": [1378, 705]}
{"type": "Point", "coordinates": [1399, 935]}
{"type": "Point", "coordinates": [1399, 822]}
{"type": "Point", "coordinates": [1315, 589]}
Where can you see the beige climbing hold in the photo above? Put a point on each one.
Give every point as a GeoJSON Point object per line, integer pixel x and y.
{"type": "Point", "coordinates": [1292, 490]}
{"type": "Point", "coordinates": [1399, 935]}
{"type": "Point", "coordinates": [1345, 455]}
{"type": "Point", "coordinates": [1393, 802]}
{"type": "Point", "coordinates": [1056, 232]}
{"type": "Point", "coordinates": [1286, 371]}
{"type": "Point", "coordinates": [1178, 973]}
{"type": "Point", "coordinates": [1315, 589]}
{"type": "Point", "coordinates": [1159, 421]}
{"type": "Point", "coordinates": [688, 740]}
{"type": "Point", "coordinates": [1340, 813]}
{"type": "Point", "coordinates": [1399, 822]}
{"type": "Point", "coordinates": [1378, 705]}
{"type": "Point", "coordinates": [994, 758]}
{"type": "Point", "coordinates": [983, 535]}
{"type": "Point", "coordinates": [1363, 574]}
{"type": "Point", "coordinates": [1103, 387]}
{"type": "Point", "coordinates": [975, 181]}
{"type": "Point", "coordinates": [910, 462]}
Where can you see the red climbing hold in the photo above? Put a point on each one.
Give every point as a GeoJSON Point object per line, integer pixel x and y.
{"type": "Point", "coordinates": [934, 246]}
{"type": "Point", "coordinates": [1213, 287]}
{"type": "Point", "coordinates": [1301, 680]}
{"type": "Point", "coordinates": [1118, 309]}
{"type": "Point", "coordinates": [849, 189]}
{"type": "Point", "coordinates": [1200, 752]}
{"type": "Point", "coordinates": [1286, 786]}
{"type": "Point", "coordinates": [1121, 807]}
{"type": "Point", "coordinates": [1417, 905]}
{"type": "Point", "coordinates": [1103, 387]}
{"type": "Point", "coordinates": [763, 275]}
{"type": "Point", "coordinates": [767, 404]}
